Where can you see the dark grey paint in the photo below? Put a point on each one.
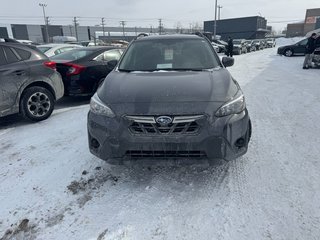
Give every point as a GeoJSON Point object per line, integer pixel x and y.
{"type": "Point", "coordinates": [168, 94]}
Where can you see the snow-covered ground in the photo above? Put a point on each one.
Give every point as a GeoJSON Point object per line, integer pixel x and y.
{"type": "Point", "coordinates": [51, 187]}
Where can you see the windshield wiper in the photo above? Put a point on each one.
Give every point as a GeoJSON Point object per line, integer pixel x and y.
{"type": "Point", "coordinates": [124, 70]}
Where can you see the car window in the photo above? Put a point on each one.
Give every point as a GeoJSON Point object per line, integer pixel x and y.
{"type": "Point", "coordinates": [3, 60]}
{"type": "Point", "coordinates": [24, 55]}
{"type": "Point", "coordinates": [111, 55]}
{"type": "Point", "coordinates": [303, 42]}
{"type": "Point", "coordinates": [61, 50]}
{"type": "Point", "coordinates": [65, 49]}
{"type": "Point", "coordinates": [44, 49]}
{"type": "Point", "coordinates": [99, 57]}
{"type": "Point", "coordinates": [11, 57]}
{"type": "Point", "coordinates": [169, 54]}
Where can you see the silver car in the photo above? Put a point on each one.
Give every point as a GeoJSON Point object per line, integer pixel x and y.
{"type": "Point", "coordinates": [29, 83]}
{"type": "Point", "coordinates": [53, 49]}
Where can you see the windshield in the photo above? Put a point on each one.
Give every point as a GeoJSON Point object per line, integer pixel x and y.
{"type": "Point", "coordinates": [73, 54]}
{"type": "Point", "coordinates": [44, 49]}
{"type": "Point", "coordinates": [236, 42]}
{"type": "Point", "coordinates": [169, 54]}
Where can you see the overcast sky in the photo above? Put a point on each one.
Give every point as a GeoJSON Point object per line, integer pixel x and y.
{"type": "Point", "coordinates": [146, 12]}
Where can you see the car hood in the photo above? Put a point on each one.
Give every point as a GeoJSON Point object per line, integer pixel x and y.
{"type": "Point", "coordinates": [168, 87]}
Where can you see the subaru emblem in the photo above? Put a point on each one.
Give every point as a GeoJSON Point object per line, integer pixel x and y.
{"type": "Point", "coordinates": [164, 120]}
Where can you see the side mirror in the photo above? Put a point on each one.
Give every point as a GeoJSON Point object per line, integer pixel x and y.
{"type": "Point", "coordinates": [228, 61]}
{"type": "Point", "coordinates": [112, 64]}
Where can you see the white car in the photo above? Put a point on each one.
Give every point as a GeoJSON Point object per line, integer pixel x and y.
{"type": "Point", "coordinates": [55, 48]}
{"type": "Point", "coordinates": [215, 47]}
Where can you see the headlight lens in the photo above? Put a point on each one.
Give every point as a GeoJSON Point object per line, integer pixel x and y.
{"type": "Point", "coordinates": [98, 107]}
{"type": "Point", "coordinates": [236, 105]}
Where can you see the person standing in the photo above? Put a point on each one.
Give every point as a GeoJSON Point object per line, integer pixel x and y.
{"type": "Point", "coordinates": [310, 47]}
{"type": "Point", "coordinates": [230, 47]}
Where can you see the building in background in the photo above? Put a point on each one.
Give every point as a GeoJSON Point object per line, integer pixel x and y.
{"type": "Point", "coordinates": [311, 22]}
{"type": "Point", "coordinates": [295, 29]}
{"type": "Point", "coordinates": [239, 28]}
{"type": "Point", "coordinates": [37, 33]}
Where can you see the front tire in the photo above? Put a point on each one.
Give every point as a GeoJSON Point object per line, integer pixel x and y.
{"type": "Point", "coordinates": [36, 104]}
{"type": "Point", "coordinates": [288, 52]}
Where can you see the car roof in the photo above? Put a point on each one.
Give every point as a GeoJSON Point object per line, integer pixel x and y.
{"type": "Point", "coordinates": [169, 36]}
{"type": "Point", "coordinates": [57, 45]}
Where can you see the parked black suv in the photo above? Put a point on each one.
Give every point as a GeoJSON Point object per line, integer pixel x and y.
{"type": "Point", "coordinates": [29, 84]}
{"type": "Point", "coordinates": [170, 97]}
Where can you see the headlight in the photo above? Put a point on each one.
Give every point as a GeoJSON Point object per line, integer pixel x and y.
{"type": "Point", "coordinates": [98, 107]}
{"type": "Point", "coordinates": [236, 105]}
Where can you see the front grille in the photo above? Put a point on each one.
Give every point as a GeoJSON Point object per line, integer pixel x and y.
{"type": "Point", "coordinates": [166, 154]}
{"type": "Point", "coordinates": [179, 125]}
{"type": "Point", "coordinates": [154, 128]}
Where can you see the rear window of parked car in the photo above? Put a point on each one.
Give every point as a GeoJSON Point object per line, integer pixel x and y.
{"type": "Point", "coordinates": [73, 55]}
{"type": "Point", "coordinates": [44, 49]}
{"type": "Point", "coordinates": [3, 60]}
{"type": "Point", "coordinates": [11, 57]}
{"type": "Point", "coordinates": [24, 55]}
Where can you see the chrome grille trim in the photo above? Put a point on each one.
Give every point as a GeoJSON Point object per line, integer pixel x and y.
{"type": "Point", "coordinates": [180, 125]}
{"type": "Point", "coordinates": [151, 119]}
{"type": "Point", "coordinates": [141, 119]}
{"type": "Point", "coordinates": [182, 119]}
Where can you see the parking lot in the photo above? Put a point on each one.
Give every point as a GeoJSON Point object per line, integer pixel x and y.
{"type": "Point", "coordinates": [51, 187]}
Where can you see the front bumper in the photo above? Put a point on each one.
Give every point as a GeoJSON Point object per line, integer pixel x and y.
{"type": "Point", "coordinates": [218, 138]}
{"type": "Point", "coordinates": [280, 51]}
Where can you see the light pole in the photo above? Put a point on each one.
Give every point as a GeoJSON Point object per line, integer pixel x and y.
{"type": "Point", "coordinates": [43, 5]}
{"type": "Point", "coordinates": [219, 7]}
{"type": "Point", "coordinates": [215, 21]}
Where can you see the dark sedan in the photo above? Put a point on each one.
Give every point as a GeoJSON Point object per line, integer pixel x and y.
{"type": "Point", "coordinates": [84, 69]}
{"type": "Point", "coordinates": [298, 48]}
{"type": "Point", "coordinates": [170, 97]}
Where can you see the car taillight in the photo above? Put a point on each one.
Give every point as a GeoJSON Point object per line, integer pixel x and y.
{"type": "Point", "coordinates": [74, 69]}
{"type": "Point", "coordinates": [51, 65]}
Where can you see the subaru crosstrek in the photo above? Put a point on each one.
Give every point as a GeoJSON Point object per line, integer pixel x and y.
{"type": "Point", "coordinates": [169, 97]}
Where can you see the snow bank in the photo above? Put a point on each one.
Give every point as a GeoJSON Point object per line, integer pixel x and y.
{"type": "Point", "coordinates": [287, 41]}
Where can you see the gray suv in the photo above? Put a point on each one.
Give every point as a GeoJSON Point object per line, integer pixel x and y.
{"type": "Point", "coordinates": [29, 84]}
{"type": "Point", "coordinates": [170, 96]}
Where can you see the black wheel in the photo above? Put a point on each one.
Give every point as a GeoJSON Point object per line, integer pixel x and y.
{"type": "Point", "coordinates": [288, 52]}
{"type": "Point", "coordinates": [36, 104]}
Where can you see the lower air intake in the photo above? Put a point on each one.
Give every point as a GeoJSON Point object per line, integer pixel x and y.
{"type": "Point", "coordinates": [166, 154]}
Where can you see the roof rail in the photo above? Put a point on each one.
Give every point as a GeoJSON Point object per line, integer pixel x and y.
{"type": "Point", "coordinates": [141, 35]}
{"type": "Point", "coordinates": [8, 40]}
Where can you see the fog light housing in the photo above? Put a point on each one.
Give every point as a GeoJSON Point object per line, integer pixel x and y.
{"type": "Point", "coordinates": [94, 143]}
{"type": "Point", "coordinates": [240, 142]}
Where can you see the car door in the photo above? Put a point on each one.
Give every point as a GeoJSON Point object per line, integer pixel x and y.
{"type": "Point", "coordinates": [13, 72]}
{"type": "Point", "coordinates": [300, 47]}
